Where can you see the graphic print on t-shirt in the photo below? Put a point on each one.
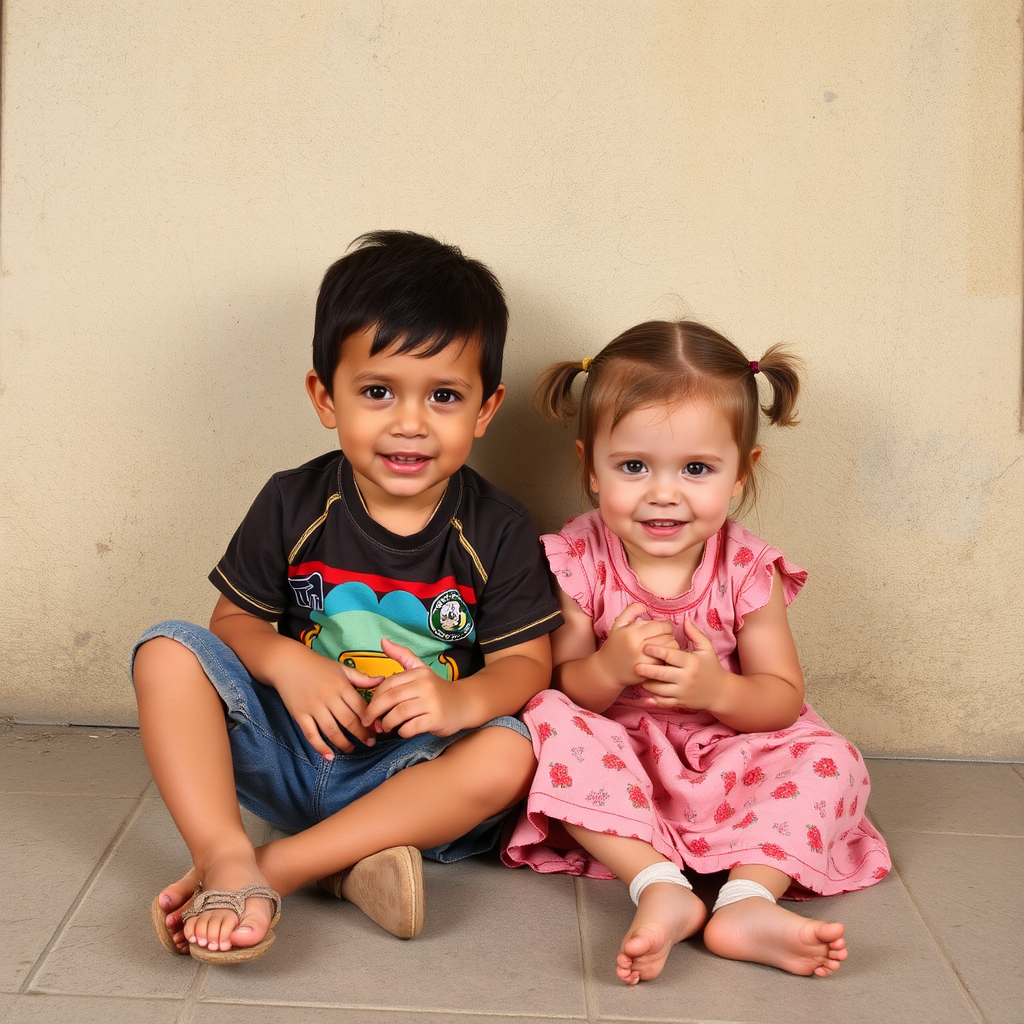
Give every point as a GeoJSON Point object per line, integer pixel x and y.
{"type": "Point", "coordinates": [449, 617]}
{"type": "Point", "coordinates": [308, 591]}
{"type": "Point", "coordinates": [353, 621]}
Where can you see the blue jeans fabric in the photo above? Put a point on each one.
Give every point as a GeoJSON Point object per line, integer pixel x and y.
{"type": "Point", "coordinates": [281, 778]}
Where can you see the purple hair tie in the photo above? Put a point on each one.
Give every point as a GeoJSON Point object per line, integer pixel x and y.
{"type": "Point", "coordinates": [755, 366]}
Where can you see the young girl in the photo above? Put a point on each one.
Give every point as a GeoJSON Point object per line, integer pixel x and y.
{"type": "Point", "coordinates": [678, 736]}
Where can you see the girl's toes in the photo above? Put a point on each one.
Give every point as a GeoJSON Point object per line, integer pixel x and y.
{"type": "Point", "coordinates": [625, 970]}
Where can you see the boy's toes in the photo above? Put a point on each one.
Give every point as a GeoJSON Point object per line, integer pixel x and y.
{"type": "Point", "coordinates": [254, 925]}
{"type": "Point", "coordinates": [212, 931]}
{"type": "Point", "coordinates": [174, 897]}
{"type": "Point", "coordinates": [219, 931]}
{"type": "Point", "coordinates": [219, 935]}
{"type": "Point", "coordinates": [167, 908]}
{"type": "Point", "coordinates": [169, 933]}
{"type": "Point", "coordinates": [229, 920]}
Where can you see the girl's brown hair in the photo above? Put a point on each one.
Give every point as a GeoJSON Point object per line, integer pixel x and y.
{"type": "Point", "coordinates": [663, 363]}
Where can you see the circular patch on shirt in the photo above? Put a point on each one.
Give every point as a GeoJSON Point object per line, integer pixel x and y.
{"type": "Point", "coordinates": [449, 617]}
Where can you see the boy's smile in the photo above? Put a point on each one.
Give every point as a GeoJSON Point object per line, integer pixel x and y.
{"type": "Point", "coordinates": [406, 422]}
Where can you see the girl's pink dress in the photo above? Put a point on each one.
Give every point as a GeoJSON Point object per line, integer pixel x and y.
{"type": "Point", "coordinates": [704, 796]}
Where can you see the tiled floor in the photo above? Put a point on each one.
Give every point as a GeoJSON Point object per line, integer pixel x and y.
{"type": "Point", "coordinates": [86, 843]}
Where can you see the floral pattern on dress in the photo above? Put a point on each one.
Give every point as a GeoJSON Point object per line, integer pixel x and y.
{"type": "Point", "coordinates": [704, 796]}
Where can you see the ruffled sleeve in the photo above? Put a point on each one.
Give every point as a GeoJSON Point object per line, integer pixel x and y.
{"type": "Point", "coordinates": [756, 565]}
{"type": "Point", "coordinates": [566, 553]}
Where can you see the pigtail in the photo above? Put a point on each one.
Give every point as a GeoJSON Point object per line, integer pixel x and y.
{"type": "Point", "coordinates": [779, 366]}
{"type": "Point", "coordinates": [552, 394]}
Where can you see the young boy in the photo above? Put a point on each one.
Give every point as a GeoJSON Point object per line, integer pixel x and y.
{"type": "Point", "coordinates": [412, 610]}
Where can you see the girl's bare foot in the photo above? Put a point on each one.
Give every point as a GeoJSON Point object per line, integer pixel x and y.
{"type": "Point", "coordinates": [666, 914]}
{"type": "Point", "coordinates": [762, 932]}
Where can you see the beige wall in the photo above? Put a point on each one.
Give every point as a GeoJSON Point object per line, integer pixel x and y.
{"type": "Point", "coordinates": [844, 177]}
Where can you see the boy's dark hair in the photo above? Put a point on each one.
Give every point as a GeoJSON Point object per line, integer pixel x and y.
{"type": "Point", "coordinates": [415, 288]}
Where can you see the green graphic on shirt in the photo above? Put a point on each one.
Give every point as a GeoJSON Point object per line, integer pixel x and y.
{"type": "Point", "coordinates": [353, 622]}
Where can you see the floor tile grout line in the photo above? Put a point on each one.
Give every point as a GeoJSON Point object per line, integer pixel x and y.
{"type": "Point", "coordinates": [673, 1020]}
{"type": "Point", "coordinates": [921, 759]}
{"type": "Point", "coordinates": [104, 859]}
{"type": "Point", "coordinates": [951, 832]}
{"type": "Point", "coordinates": [193, 996]}
{"type": "Point", "coordinates": [294, 1004]}
{"type": "Point", "coordinates": [64, 794]}
{"type": "Point", "coordinates": [583, 932]}
{"type": "Point", "coordinates": [941, 949]}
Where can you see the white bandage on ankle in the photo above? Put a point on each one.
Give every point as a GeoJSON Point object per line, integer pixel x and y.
{"type": "Point", "coordinates": [663, 872]}
{"type": "Point", "coordinates": [740, 889]}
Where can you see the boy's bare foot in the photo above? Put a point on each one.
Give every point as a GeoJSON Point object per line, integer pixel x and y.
{"type": "Point", "coordinates": [667, 913]}
{"type": "Point", "coordinates": [218, 930]}
{"type": "Point", "coordinates": [762, 932]}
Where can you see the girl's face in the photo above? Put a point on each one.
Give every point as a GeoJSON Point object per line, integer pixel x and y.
{"type": "Point", "coordinates": [664, 480]}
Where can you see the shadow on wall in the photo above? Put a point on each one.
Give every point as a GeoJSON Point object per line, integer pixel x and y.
{"type": "Point", "coordinates": [522, 453]}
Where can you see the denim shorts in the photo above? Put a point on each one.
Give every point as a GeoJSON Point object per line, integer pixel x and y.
{"type": "Point", "coordinates": [281, 778]}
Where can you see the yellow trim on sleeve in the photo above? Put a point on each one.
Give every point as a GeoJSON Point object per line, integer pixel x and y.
{"type": "Point", "coordinates": [469, 547]}
{"type": "Point", "coordinates": [522, 629]}
{"type": "Point", "coordinates": [246, 597]}
{"type": "Point", "coordinates": [314, 526]}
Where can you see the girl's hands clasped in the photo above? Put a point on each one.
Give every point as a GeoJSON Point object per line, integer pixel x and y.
{"type": "Point", "coordinates": [631, 636]}
{"type": "Point", "coordinates": [683, 679]}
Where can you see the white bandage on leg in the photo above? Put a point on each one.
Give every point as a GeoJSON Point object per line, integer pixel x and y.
{"type": "Point", "coordinates": [740, 889]}
{"type": "Point", "coordinates": [661, 872]}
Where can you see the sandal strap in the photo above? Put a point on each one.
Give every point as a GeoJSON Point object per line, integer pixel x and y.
{"type": "Point", "coordinates": [234, 900]}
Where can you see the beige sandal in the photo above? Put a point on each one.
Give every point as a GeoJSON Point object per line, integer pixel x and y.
{"type": "Point", "coordinates": [221, 899]}
{"type": "Point", "coordinates": [387, 887]}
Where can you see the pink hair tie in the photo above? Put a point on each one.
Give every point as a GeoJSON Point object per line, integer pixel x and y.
{"type": "Point", "coordinates": [755, 366]}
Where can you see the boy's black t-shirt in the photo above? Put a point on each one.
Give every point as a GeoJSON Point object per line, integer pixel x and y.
{"type": "Point", "coordinates": [309, 557]}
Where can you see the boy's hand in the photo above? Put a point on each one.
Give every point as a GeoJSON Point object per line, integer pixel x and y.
{"type": "Point", "coordinates": [318, 692]}
{"type": "Point", "coordinates": [323, 699]}
{"type": "Point", "coordinates": [687, 679]}
{"type": "Point", "coordinates": [629, 642]}
{"type": "Point", "coordinates": [414, 701]}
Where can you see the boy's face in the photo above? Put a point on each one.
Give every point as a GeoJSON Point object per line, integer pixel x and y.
{"type": "Point", "coordinates": [405, 422]}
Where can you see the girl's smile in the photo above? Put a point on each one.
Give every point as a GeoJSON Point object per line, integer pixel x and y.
{"type": "Point", "coordinates": [663, 527]}
{"type": "Point", "coordinates": [664, 482]}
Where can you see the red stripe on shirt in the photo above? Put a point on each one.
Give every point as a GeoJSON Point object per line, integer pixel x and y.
{"type": "Point", "coordinates": [384, 584]}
